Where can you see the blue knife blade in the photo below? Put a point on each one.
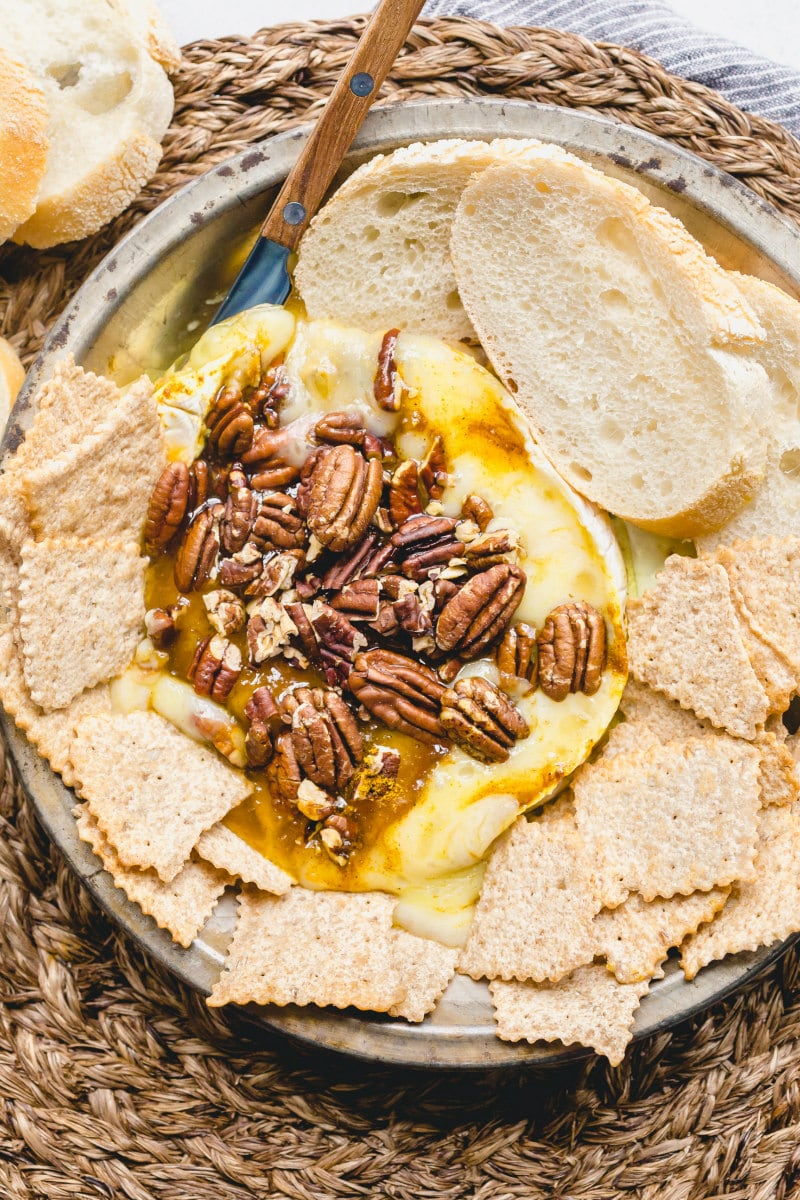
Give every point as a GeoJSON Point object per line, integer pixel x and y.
{"type": "Point", "coordinates": [264, 279]}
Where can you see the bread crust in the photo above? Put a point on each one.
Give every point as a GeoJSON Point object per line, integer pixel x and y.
{"type": "Point", "coordinates": [23, 143]}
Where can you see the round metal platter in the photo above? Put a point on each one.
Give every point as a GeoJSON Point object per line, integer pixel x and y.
{"type": "Point", "coordinates": [148, 300]}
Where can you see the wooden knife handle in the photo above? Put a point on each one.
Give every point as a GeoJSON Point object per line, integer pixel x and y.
{"type": "Point", "coordinates": [340, 120]}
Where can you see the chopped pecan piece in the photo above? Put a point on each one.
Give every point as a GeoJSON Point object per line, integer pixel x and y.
{"type": "Point", "coordinates": [358, 600]}
{"type": "Point", "coordinates": [412, 616]}
{"type": "Point", "coordinates": [168, 506]}
{"type": "Point", "coordinates": [283, 773]}
{"type": "Point", "coordinates": [262, 713]}
{"type": "Point", "coordinates": [239, 515]}
{"type": "Point", "coordinates": [404, 695]}
{"type": "Point", "coordinates": [242, 567]}
{"type": "Point", "coordinates": [230, 425]}
{"type": "Point", "coordinates": [271, 393]}
{"type": "Point", "coordinates": [449, 669]}
{"type": "Point", "coordinates": [266, 463]}
{"type": "Point", "coordinates": [572, 651]}
{"type": "Point", "coordinates": [377, 447]}
{"type": "Point", "coordinates": [337, 838]}
{"type": "Point", "coordinates": [305, 636]}
{"type": "Point", "coordinates": [348, 568]}
{"type": "Point", "coordinates": [215, 667]}
{"type": "Point", "coordinates": [517, 654]}
{"type": "Point", "coordinates": [162, 625]}
{"type": "Point", "coordinates": [433, 469]}
{"type": "Point", "coordinates": [480, 611]}
{"type": "Point", "coordinates": [341, 427]}
{"type": "Point", "coordinates": [443, 590]}
{"type": "Point", "coordinates": [338, 640]}
{"type": "Point", "coordinates": [489, 549]}
{"type": "Point", "coordinates": [344, 493]}
{"type": "Point", "coordinates": [387, 387]}
{"type": "Point", "coordinates": [278, 525]}
{"type": "Point", "coordinates": [382, 760]}
{"type": "Point", "coordinates": [326, 738]}
{"type": "Point", "coordinates": [269, 629]}
{"type": "Point", "coordinates": [313, 802]}
{"type": "Point", "coordinates": [197, 555]}
{"type": "Point", "coordinates": [475, 508]}
{"type": "Point", "coordinates": [277, 574]}
{"type": "Point", "coordinates": [481, 719]}
{"type": "Point", "coordinates": [225, 611]}
{"type": "Point", "coordinates": [404, 499]}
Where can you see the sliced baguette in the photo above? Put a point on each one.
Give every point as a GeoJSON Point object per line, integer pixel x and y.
{"type": "Point", "coordinates": [23, 143]}
{"type": "Point", "coordinates": [109, 105]}
{"type": "Point", "coordinates": [12, 375]}
{"type": "Point", "coordinates": [775, 506]}
{"type": "Point", "coordinates": [387, 230]}
{"type": "Point", "coordinates": [624, 342]}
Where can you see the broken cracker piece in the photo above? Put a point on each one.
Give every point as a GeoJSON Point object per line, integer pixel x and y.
{"type": "Point", "coordinates": [589, 1007]}
{"type": "Point", "coordinates": [224, 849]}
{"type": "Point", "coordinates": [331, 948]}
{"type": "Point", "coordinates": [635, 938]}
{"type": "Point", "coordinates": [71, 404]}
{"type": "Point", "coordinates": [670, 819]}
{"type": "Point", "coordinates": [101, 486]}
{"type": "Point", "coordinates": [182, 907]}
{"type": "Point", "coordinates": [152, 790]}
{"type": "Point", "coordinates": [778, 776]}
{"type": "Point", "coordinates": [763, 910]}
{"type": "Point", "coordinates": [772, 670]}
{"type": "Point", "coordinates": [765, 581]}
{"type": "Point", "coordinates": [683, 639]}
{"type": "Point", "coordinates": [81, 610]}
{"type": "Point", "coordinates": [534, 916]}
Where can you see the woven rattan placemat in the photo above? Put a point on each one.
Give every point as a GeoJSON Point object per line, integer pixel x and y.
{"type": "Point", "coordinates": [115, 1082]}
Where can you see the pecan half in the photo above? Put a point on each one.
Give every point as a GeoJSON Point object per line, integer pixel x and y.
{"type": "Point", "coordinates": [225, 611]}
{"type": "Point", "coordinates": [239, 515]}
{"type": "Point", "coordinates": [168, 506]}
{"type": "Point", "coordinates": [199, 484]}
{"type": "Point", "coordinates": [271, 393]}
{"type": "Point", "coordinates": [404, 492]}
{"type": "Point", "coordinates": [278, 525]}
{"type": "Point", "coordinates": [404, 695]}
{"type": "Point", "coordinates": [266, 463]}
{"type": "Point", "coordinates": [387, 387]}
{"type": "Point", "coordinates": [483, 721]}
{"type": "Point", "coordinates": [348, 568]}
{"type": "Point", "coordinates": [242, 567]}
{"type": "Point", "coordinates": [326, 739]}
{"type": "Point", "coordinates": [480, 611]}
{"type": "Point", "coordinates": [305, 637]}
{"type": "Point", "coordinates": [359, 600]}
{"type": "Point", "coordinates": [344, 493]}
{"type": "Point", "coordinates": [433, 469]}
{"type": "Point", "coordinates": [475, 508]}
{"type": "Point", "coordinates": [197, 555]}
{"type": "Point", "coordinates": [572, 651]}
{"type": "Point", "coordinates": [269, 629]}
{"type": "Point", "coordinates": [230, 425]}
{"type": "Point", "coordinates": [341, 427]}
{"type": "Point", "coordinates": [489, 549]}
{"type": "Point", "coordinates": [426, 544]}
{"type": "Point", "coordinates": [261, 712]}
{"type": "Point", "coordinates": [517, 654]}
{"type": "Point", "coordinates": [338, 642]}
{"type": "Point", "coordinates": [215, 667]}
{"type": "Point", "coordinates": [283, 773]}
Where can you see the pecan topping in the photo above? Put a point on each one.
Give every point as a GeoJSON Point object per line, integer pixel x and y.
{"type": "Point", "coordinates": [480, 611]}
{"type": "Point", "coordinates": [404, 492]}
{"type": "Point", "coordinates": [358, 600]}
{"type": "Point", "coordinates": [426, 544]}
{"type": "Point", "coordinates": [517, 654]}
{"type": "Point", "coordinates": [313, 803]}
{"type": "Point", "coordinates": [271, 393]}
{"type": "Point", "coordinates": [412, 616]}
{"type": "Point", "coordinates": [475, 508]}
{"type": "Point", "coordinates": [242, 567]}
{"type": "Point", "coordinates": [348, 568]}
{"type": "Point", "coordinates": [433, 469]}
{"type": "Point", "coordinates": [344, 493]}
{"type": "Point", "coordinates": [337, 838]}
{"type": "Point", "coordinates": [241, 509]}
{"type": "Point", "coordinates": [340, 428]}
{"type": "Point", "coordinates": [216, 666]}
{"type": "Point", "coordinates": [572, 651]}
{"type": "Point", "coordinates": [339, 642]}
{"type": "Point", "coordinates": [161, 625]}
{"type": "Point", "coordinates": [326, 739]}
{"type": "Point", "coordinates": [399, 692]}
{"type": "Point", "coordinates": [283, 773]}
{"type": "Point", "coordinates": [381, 760]}
{"type": "Point", "coordinates": [262, 713]}
{"type": "Point", "coordinates": [305, 636]}
{"type": "Point", "coordinates": [230, 425]}
{"type": "Point", "coordinates": [199, 484]}
{"type": "Point", "coordinates": [489, 549]}
{"type": "Point", "coordinates": [278, 525]}
{"type": "Point", "coordinates": [481, 719]}
{"type": "Point", "coordinates": [225, 611]}
{"type": "Point", "coordinates": [269, 467]}
{"type": "Point", "coordinates": [387, 387]}
{"type": "Point", "coordinates": [269, 629]}
{"type": "Point", "coordinates": [168, 506]}
{"type": "Point", "coordinates": [198, 552]}
{"type": "Point", "coordinates": [277, 574]}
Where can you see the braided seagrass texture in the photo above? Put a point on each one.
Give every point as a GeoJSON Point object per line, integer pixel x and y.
{"type": "Point", "coordinates": [115, 1082]}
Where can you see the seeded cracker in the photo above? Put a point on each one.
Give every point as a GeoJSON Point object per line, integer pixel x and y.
{"type": "Point", "coordinates": [589, 1007]}
{"type": "Point", "coordinates": [670, 819]}
{"type": "Point", "coordinates": [151, 789]}
{"type": "Point", "coordinates": [51, 733]}
{"type": "Point", "coordinates": [634, 939]}
{"type": "Point", "coordinates": [100, 487]}
{"type": "Point", "coordinates": [182, 907]}
{"type": "Point", "coordinates": [765, 580]}
{"type": "Point", "coordinates": [224, 849]}
{"type": "Point", "coordinates": [534, 916]}
{"type": "Point", "coordinates": [764, 910]}
{"type": "Point", "coordinates": [683, 639]}
{"type": "Point", "coordinates": [81, 611]}
{"type": "Point", "coordinates": [331, 948]}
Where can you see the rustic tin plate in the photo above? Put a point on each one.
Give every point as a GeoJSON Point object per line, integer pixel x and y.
{"type": "Point", "coordinates": [149, 299]}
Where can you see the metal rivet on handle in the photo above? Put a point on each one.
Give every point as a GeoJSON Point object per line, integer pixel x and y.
{"type": "Point", "coordinates": [362, 84]}
{"type": "Point", "coordinates": [294, 213]}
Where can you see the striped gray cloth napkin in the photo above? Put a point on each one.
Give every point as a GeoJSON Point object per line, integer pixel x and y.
{"type": "Point", "coordinates": [753, 83]}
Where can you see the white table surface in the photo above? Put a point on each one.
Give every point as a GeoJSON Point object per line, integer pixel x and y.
{"type": "Point", "coordinates": [769, 27]}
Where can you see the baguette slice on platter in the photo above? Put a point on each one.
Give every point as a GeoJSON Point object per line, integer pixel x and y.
{"type": "Point", "coordinates": [628, 347]}
{"type": "Point", "coordinates": [23, 143]}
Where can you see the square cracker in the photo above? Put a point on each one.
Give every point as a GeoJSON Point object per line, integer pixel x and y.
{"type": "Point", "coordinates": [182, 907]}
{"type": "Point", "coordinates": [763, 910]}
{"type": "Point", "coordinates": [101, 486]}
{"type": "Point", "coordinates": [589, 1007]}
{"type": "Point", "coordinates": [224, 849]}
{"type": "Point", "coordinates": [81, 612]}
{"type": "Point", "coordinates": [72, 403]}
{"type": "Point", "coordinates": [331, 948]}
{"type": "Point", "coordinates": [151, 789]}
{"type": "Point", "coordinates": [670, 819]}
{"type": "Point", "coordinates": [683, 639]}
{"type": "Point", "coordinates": [634, 939]}
{"type": "Point", "coordinates": [534, 916]}
{"type": "Point", "coordinates": [765, 582]}
{"type": "Point", "coordinates": [51, 733]}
